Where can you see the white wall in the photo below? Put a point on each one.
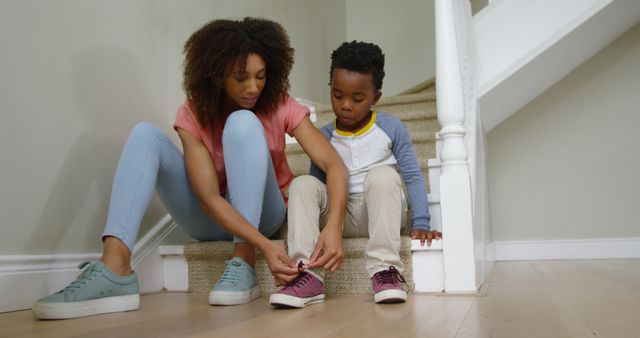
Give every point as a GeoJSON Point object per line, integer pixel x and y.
{"type": "Point", "coordinates": [524, 47]}
{"type": "Point", "coordinates": [512, 33]}
{"type": "Point", "coordinates": [78, 74]}
{"type": "Point", "coordinates": [566, 165]}
{"type": "Point", "coordinates": [404, 30]}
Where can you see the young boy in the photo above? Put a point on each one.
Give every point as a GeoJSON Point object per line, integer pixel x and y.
{"type": "Point", "coordinates": [372, 145]}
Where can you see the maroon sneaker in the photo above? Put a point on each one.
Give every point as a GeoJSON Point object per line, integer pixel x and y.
{"type": "Point", "coordinates": [306, 289]}
{"type": "Point", "coordinates": [387, 288]}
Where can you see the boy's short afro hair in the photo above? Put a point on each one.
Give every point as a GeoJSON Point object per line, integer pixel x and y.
{"type": "Point", "coordinates": [361, 57]}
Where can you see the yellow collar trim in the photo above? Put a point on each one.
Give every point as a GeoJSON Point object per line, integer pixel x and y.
{"type": "Point", "coordinates": [359, 132]}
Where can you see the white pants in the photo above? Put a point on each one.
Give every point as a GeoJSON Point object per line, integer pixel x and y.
{"type": "Point", "coordinates": [378, 213]}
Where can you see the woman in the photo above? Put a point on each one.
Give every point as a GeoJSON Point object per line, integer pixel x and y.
{"type": "Point", "coordinates": [230, 183]}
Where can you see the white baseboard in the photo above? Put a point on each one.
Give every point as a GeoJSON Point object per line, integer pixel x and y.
{"type": "Point", "coordinates": [147, 261]}
{"type": "Point", "coordinates": [26, 278]}
{"type": "Point", "coordinates": [152, 239]}
{"type": "Point", "coordinates": [490, 252]}
{"type": "Point", "coordinates": [596, 248]}
{"type": "Point", "coordinates": [176, 268]}
{"type": "Point", "coordinates": [486, 263]}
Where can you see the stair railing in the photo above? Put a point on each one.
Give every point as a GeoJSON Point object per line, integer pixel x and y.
{"type": "Point", "coordinates": [456, 102]}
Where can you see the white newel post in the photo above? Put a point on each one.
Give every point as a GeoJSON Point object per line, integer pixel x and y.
{"type": "Point", "coordinates": [455, 183]}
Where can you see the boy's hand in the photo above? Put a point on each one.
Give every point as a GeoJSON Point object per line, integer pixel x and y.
{"type": "Point", "coordinates": [282, 267]}
{"type": "Point", "coordinates": [328, 252]}
{"type": "Point", "coordinates": [423, 235]}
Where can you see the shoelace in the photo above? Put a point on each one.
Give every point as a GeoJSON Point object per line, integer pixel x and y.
{"type": "Point", "coordinates": [301, 279]}
{"type": "Point", "coordinates": [389, 276]}
{"type": "Point", "coordinates": [232, 273]}
{"type": "Point", "coordinates": [90, 272]}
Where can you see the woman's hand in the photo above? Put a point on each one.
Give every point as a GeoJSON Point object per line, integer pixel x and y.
{"type": "Point", "coordinates": [329, 251]}
{"type": "Point", "coordinates": [282, 267]}
{"type": "Point", "coordinates": [423, 235]}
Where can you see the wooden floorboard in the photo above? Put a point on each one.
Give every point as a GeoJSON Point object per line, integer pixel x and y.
{"type": "Point", "coordinates": [595, 298]}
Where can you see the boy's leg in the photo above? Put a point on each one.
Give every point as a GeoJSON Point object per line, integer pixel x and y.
{"type": "Point", "coordinates": [383, 199]}
{"type": "Point", "coordinates": [307, 210]}
{"type": "Point", "coordinates": [355, 218]}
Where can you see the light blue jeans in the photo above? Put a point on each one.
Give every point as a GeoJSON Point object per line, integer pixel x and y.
{"type": "Point", "coordinates": [150, 161]}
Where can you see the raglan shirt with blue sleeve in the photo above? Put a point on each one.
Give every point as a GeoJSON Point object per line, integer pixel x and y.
{"type": "Point", "coordinates": [384, 141]}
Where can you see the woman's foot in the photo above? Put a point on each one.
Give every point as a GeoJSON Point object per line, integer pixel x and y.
{"type": "Point", "coordinates": [237, 285]}
{"type": "Point", "coordinates": [96, 290]}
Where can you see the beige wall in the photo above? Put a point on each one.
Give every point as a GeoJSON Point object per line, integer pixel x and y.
{"type": "Point", "coordinates": [404, 30]}
{"type": "Point", "coordinates": [78, 74]}
{"type": "Point", "coordinates": [566, 165]}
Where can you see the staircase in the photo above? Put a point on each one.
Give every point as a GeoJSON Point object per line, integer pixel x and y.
{"type": "Point", "coordinates": [545, 40]}
{"type": "Point", "coordinates": [416, 107]}
{"type": "Point", "coordinates": [488, 66]}
{"type": "Point", "coordinates": [497, 61]}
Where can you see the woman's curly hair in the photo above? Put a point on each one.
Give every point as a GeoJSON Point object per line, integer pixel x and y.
{"type": "Point", "coordinates": [361, 57]}
{"type": "Point", "coordinates": [214, 49]}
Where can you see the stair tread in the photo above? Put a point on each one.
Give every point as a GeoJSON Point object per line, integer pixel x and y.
{"type": "Point", "coordinates": [206, 264]}
{"type": "Point", "coordinates": [387, 101]}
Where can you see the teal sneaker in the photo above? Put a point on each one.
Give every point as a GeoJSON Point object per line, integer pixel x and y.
{"type": "Point", "coordinates": [236, 286]}
{"type": "Point", "coordinates": [97, 290]}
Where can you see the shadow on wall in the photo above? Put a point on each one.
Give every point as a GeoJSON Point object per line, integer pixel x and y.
{"type": "Point", "coordinates": [111, 97]}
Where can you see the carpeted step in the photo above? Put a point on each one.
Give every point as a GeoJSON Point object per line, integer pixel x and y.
{"type": "Point", "coordinates": [207, 262]}
{"type": "Point", "coordinates": [426, 86]}
{"type": "Point", "coordinates": [420, 105]}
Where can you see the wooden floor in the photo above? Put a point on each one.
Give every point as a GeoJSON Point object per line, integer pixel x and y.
{"type": "Point", "coordinates": [521, 299]}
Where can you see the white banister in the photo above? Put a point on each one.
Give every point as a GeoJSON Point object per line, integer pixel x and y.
{"type": "Point", "coordinates": [455, 182]}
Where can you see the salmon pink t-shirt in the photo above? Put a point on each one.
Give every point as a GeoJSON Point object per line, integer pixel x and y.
{"type": "Point", "coordinates": [284, 119]}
